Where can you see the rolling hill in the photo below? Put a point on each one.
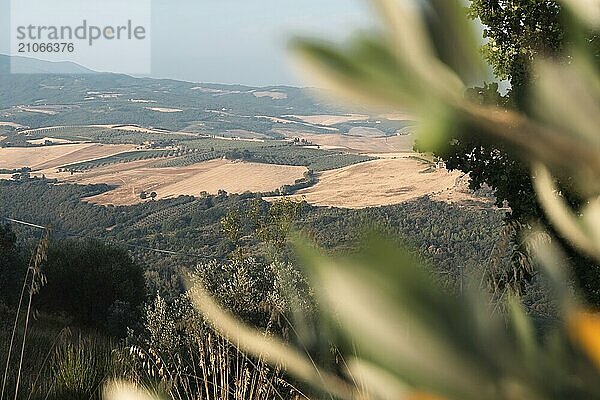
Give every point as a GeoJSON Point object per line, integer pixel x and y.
{"type": "Point", "coordinates": [47, 99]}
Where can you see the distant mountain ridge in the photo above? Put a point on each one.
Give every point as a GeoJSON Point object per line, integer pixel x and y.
{"type": "Point", "coordinates": [27, 65]}
{"type": "Point", "coordinates": [46, 99]}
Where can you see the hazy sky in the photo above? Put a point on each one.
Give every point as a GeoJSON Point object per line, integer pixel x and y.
{"type": "Point", "coordinates": [234, 41]}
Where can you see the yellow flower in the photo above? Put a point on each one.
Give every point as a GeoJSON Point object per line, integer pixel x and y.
{"type": "Point", "coordinates": [584, 328]}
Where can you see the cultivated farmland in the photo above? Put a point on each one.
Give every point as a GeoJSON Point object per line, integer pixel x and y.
{"type": "Point", "coordinates": [132, 178]}
{"type": "Point", "coordinates": [385, 182]}
{"type": "Point", "coordinates": [48, 157]}
{"type": "Point", "coordinates": [358, 144]}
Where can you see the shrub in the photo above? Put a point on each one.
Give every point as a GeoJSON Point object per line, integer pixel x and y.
{"type": "Point", "coordinates": [182, 356]}
{"type": "Point", "coordinates": [79, 368]}
{"type": "Point", "coordinates": [12, 266]}
{"type": "Point", "coordinates": [96, 284]}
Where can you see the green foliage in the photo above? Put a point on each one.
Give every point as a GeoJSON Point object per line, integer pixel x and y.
{"type": "Point", "coordinates": [480, 133]}
{"type": "Point", "coordinates": [402, 336]}
{"type": "Point", "coordinates": [96, 284]}
{"type": "Point", "coordinates": [313, 159]}
{"type": "Point", "coordinates": [187, 160]}
{"type": "Point", "coordinates": [277, 224]}
{"type": "Point", "coordinates": [191, 150]}
{"type": "Point", "coordinates": [231, 227]}
{"type": "Point", "coordinates": [392, 322]}
{"type": "Point", "coordinates": [77, 280]}
{"type": "Point", "coordinates": [517, 32]}
{"type": "Point", "coordinates": [60, 362]}
{"type": "Point", "coordinates": [36, 378]}
{"type": "Point", "coordinates": [12, 266]}
{"type": "Point", "coordinates": [178, 351]}
{"type": "Point", "coordinates": [255, 291]}
{"type": "Point", "coordinates": [457, 237]}
{"type": "Point", "coordinates": [80, 366]}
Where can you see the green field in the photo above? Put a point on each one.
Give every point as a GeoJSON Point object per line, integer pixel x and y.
{"type": "Point", "coordinates": [195, 150]}
{"type": "Point", "coordinates": [120, 158]}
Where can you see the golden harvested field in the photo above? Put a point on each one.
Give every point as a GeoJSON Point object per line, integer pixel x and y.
{"type": "Point", "coordinates": [329, 120]}
{"type": "Point", "coordinates": [272, 94]}
{"type": "Point", "coordinates": [11, 124]}
{"type": "Point", "coordinates": [51, 139]}
{"type": "Point", "coordinates": [397, 176]}
{"type": "Point", "coordinates": [289, 121]}
{"type": "Point", "coordinates": [275, 119]}
{"type": "Point", "coordinates": [130, 128]}
{"type": "Point", "coordinates": [384, 182]}
{"type": "Point", "coordinates": [398, 117]}
{"type": "Point", "coordinates": [359, 144]}
{"type": "Point", "coordinates": [50, 157]}
{"type": "Point", "coordinates": [37, 110]}
{"type": "Point", "coordinates": [164, 109]}
{"type": "Point", "coordinates": [210, 176]}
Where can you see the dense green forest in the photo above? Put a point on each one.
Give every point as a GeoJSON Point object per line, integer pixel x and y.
{"type": "Point", "coordinates": [136, 260]}
{"type": "Point", "coordinates": [457, 237]}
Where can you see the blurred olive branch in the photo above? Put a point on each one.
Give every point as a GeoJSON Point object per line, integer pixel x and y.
{"type": "Point", "coordinates": [410, 338]}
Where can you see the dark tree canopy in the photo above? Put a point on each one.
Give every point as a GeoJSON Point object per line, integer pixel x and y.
{"type": "Point", "coordinates": [96, 284]}
{"type": "Point", "coordinates": [12, 267]}
{"type": "Point", "coordinates": [517, 31]}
